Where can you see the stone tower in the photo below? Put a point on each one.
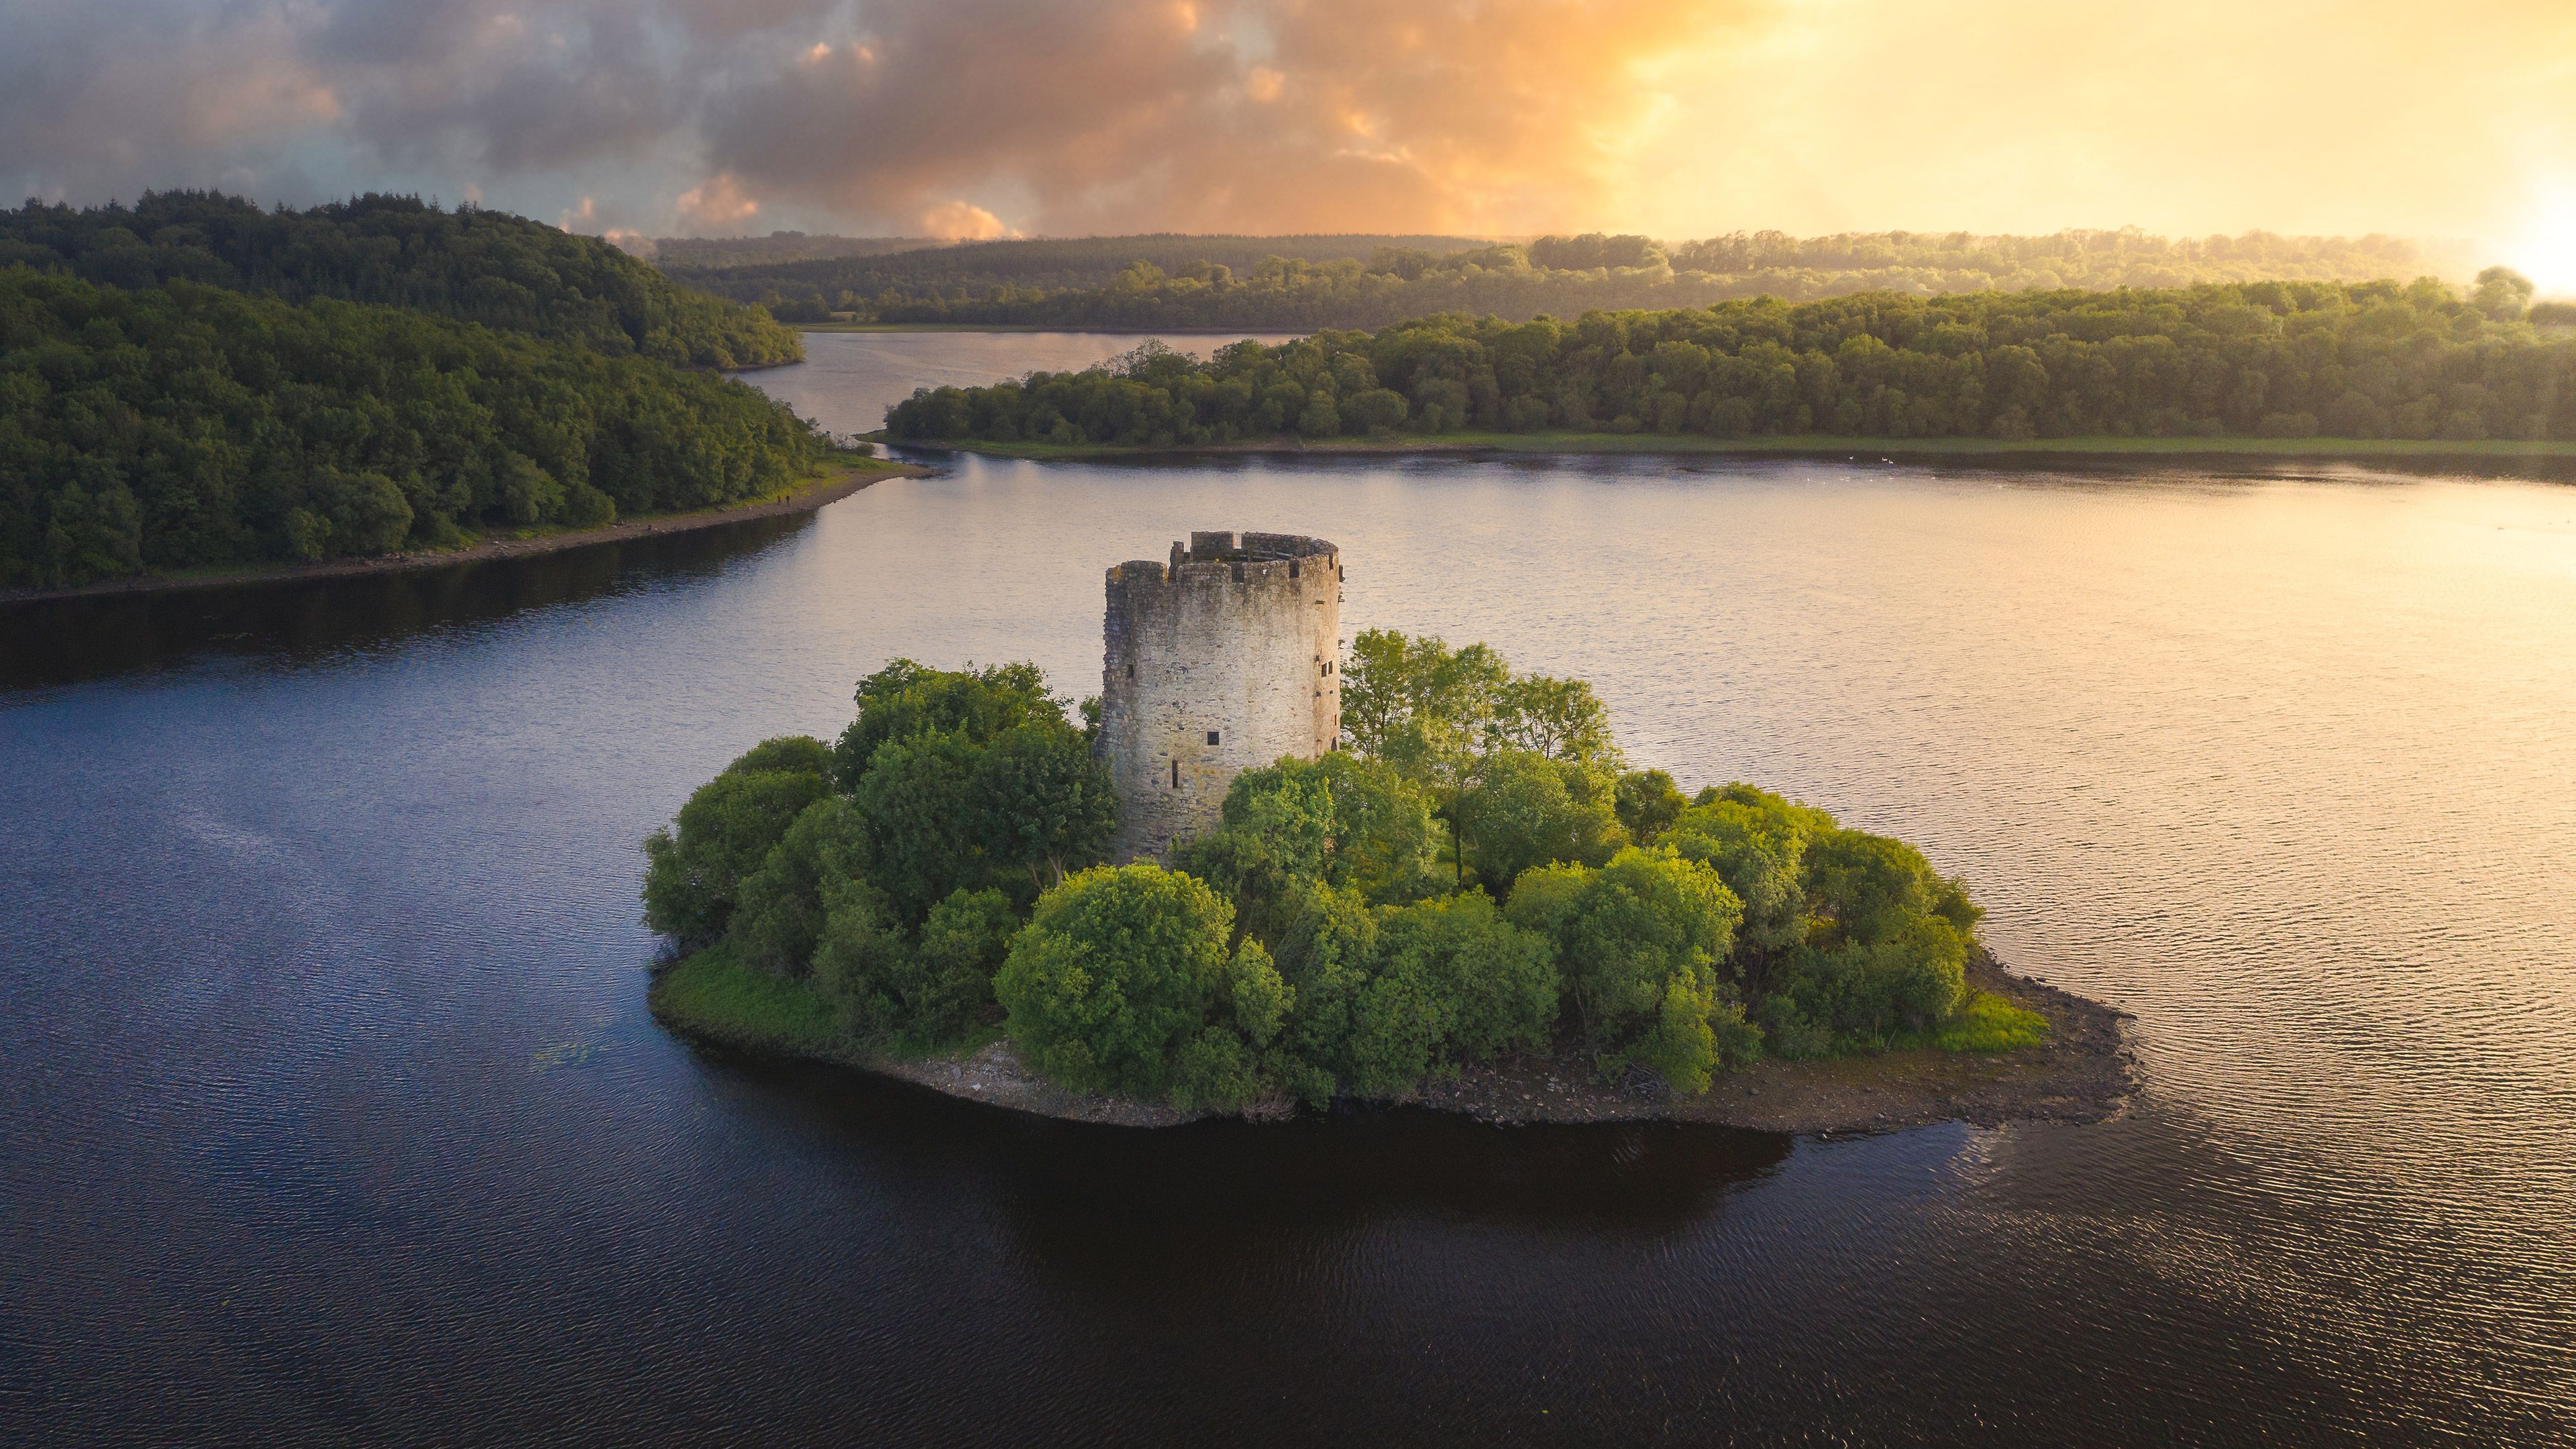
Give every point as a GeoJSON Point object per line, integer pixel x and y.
{"type": "Point", "coordinates": [1223, 660]}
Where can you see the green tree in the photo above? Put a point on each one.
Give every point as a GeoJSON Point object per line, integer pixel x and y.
{"type": "Point", "coordinates": [1523, 809]}
{"type": "Point", "coordinates": [724, 833]}
{"type": "Point", "coordinates": [1449, 980]}
{"type": "Point", "coordinates": [945, 983]}
{"type": "Point", "coordinates": [1641, 939]}
{"type": "Point", "coordinates": [905, 699]}
{"type": "Point", "coordinates": [1647, 803]}
{"type": "Point", "coordinates": [1341, 821]}
{"type": "Point", "coordinates": [1118, 971]}
{"type": "Point", "coordinates": [1757, 843]}
{"type": "Point", "coordinates": [917, 804]}
{"type": "Point", "coordinates": [1039, 803]}
{"type": "Point", "coordinates": [779, 911]}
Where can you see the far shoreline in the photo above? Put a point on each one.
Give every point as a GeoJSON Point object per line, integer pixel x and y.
{"type": "Point", "coordinates": [1813, 446]}
{"type": "Point", "coordinates": [2084, 1072]}
{"type": "Point", "coordinates": [841, 478]}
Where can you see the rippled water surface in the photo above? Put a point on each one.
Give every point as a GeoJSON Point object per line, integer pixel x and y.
{"type": "Point", "coordinates": [332, 1108]}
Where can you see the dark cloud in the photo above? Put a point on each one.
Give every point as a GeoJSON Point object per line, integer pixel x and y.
{"type": "Point", "coordinates": [1267, 114]}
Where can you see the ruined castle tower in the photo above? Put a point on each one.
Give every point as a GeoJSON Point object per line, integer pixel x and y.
{"type": "Point", "coordinates": [1222, 660]}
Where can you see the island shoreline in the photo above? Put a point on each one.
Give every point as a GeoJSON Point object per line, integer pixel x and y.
{"type": "Point", "coordinates": [843, 480]}
{"type": "Point", "coordinates": [2085, 1072]}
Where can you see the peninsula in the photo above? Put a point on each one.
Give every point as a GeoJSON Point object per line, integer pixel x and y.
{"type": "Point", "coordinates": [2296, 367]}
{"type": "Point", "coordinates": [1264, 872]}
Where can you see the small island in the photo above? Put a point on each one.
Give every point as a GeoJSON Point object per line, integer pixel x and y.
{"type": "Point", "coordinates": [1257, 874]}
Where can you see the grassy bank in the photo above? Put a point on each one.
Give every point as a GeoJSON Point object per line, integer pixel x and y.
{"type": "Point", "coordinates": [1820, 446]}
{"type": "Point", "coordinates": [712, 997]}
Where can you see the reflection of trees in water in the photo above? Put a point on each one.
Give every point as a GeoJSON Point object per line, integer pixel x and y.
{"type": "Point", "coordinates": [65, 640]}
{"type": "Point", "coordinates": [1123, 1209]}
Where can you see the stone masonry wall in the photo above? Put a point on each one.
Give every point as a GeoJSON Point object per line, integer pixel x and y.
{"type": "Point", "coordinates": [1224, 659]}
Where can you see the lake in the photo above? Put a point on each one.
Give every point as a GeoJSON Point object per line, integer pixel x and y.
{"type": "Point", "coordinates": [334, 1112]}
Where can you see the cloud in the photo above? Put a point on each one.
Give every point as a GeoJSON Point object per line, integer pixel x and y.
{"type": "Point", "coordinates": [1258, 115]}
{"type": "Point", "coordinates": [962, 221]}
{"type": "Point", "coordinates": [1679, 117]}
{"type": "Point", "coordinates": [718, 204]}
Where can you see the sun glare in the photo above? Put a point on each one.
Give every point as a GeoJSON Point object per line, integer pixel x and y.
{"type": "Point", "coordinates": [2546, 250]}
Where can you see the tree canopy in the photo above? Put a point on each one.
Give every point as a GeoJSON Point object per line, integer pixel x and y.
{"type": "Point", "coordinates": [187, 426]}
{"type": "Point", "coordinates": [506, 272]}
{"type": "Point", "coordinates": [2365, 360]}
{"type": "Point", "coordinates": [1282, 284]}
{"type": "Point", "coordinates": [935, 878]}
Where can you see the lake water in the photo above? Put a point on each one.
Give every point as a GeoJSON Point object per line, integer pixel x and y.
{"type": "Point", "coordinates": [332, 1109]}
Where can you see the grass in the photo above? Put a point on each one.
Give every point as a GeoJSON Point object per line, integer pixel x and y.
{"type": "Point", "coordinates": [1991, 1024]}
{"type": "Point", "coordinates": [1817, 445]}
{"type": "Point", "coordinates": [712, 996]}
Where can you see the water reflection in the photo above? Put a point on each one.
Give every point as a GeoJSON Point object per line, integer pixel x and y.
{"type": "Point", "coordinates": [61, 641]}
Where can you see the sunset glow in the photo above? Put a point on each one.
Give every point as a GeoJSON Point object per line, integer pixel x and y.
{"type": "Point", "coordinates": [1679, 118]}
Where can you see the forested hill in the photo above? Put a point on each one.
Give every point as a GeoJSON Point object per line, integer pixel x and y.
{"type": "Point", "coordinates": [1266, 284]}
{"type": "Point", "coordinates": [2293, 359]}
{"type": "Point", "coordinates": [481, 266]}
{"type": "Point", "coordinates": [806, 290]}
{"type": "Point", "coordinates": [186, 426]}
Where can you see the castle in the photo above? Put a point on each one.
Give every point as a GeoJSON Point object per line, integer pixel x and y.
{"type": "Point", "coordinates": [1222, 660]}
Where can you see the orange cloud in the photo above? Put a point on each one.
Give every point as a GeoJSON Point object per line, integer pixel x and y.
{"type": "Point", "coordinates": [1256, 115]}
{"type": "Point", "coordinates": [718, 204]}
{"type": "Point", "coordinates": [962, 221]}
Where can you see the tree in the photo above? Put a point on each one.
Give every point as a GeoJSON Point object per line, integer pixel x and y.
{"type": "Point", "coordinates": [1452, 981]}
{"type": "Point", "coordinates": [779, 911]}
{"type": "Point", "coordinates": [1342, 821]}
{"type": "Point", "coordinates": [1523, 809]}
{"type": "Point", "coordinates": [724, 833]}
{"type": "Point", "coordinates": [1642, 941]}
{"type": "Point", "coordinates": [917, 804]}
{"type": "Point", "coordinates": [905, 699]}
{"type": "Point", "coordinates": [1119, 969]}
{"type": "Point", "coordinates": [1647, 803]}
{"type": "Point", "coordinates": [2503, 294]}
{"type": "Point", "coordinates": [1757, 843]}
{"type": "Point", "coordinates": [1039, 803]}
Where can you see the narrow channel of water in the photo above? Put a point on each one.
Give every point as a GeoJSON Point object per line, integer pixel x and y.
{"type": "Point", "coordinates": [332, 1109]}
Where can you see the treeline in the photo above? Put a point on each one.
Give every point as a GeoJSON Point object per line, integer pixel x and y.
{"type": "Point", "coordinates": [1038, 265]}
{"type": "Point", "coordinates": [1475, 873]}
{"type": "Point", "coordinates": [502, 271]}
{"type": "Point", "coordinates": [186, 426]}
{"type": "Point", "coordinates": [2296, 359]}
{"type": "Point", "coordinates": [1173, 283]}
{"type": "Point", "coordinates": [681, 255]}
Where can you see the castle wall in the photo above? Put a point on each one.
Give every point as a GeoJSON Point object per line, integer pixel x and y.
{"type": "Point", "coordinates": [1236, 639]}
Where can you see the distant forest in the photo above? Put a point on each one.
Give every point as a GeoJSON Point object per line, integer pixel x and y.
{"type": "Point", "coordinates": [680, 253]}
{"type": "Point", "coordinates": [2297, 359]}
{"type": "Point", "coordinates": [1308, 283]}
{"type": "Point", "coordinates": [490, 267]}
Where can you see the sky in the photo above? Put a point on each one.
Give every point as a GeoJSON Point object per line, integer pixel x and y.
{"type": "Point", "coordinates": [1677, 118]}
